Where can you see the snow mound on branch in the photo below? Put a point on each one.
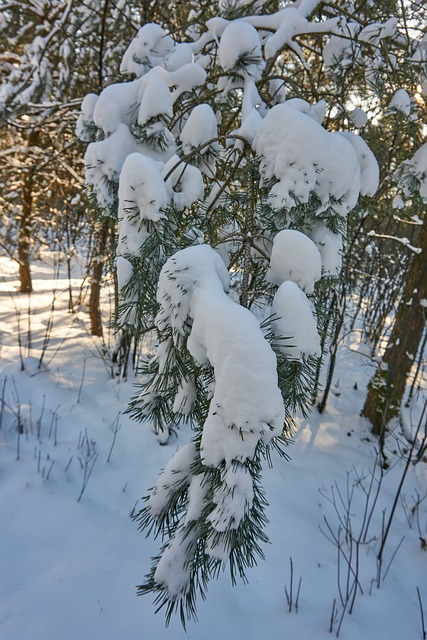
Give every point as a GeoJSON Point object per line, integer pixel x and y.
{"type": "Point", "coordinates": [400, 101]}
{"type": "Point", "coordinates": [412, 174]}
{"type": "Point", "coordinates": [177, 472]}
{"type": "Point", "coordinates": [142, 190]}
{"type": "Point", "coordinates": [155, 98]}
{"type": "Point", "coordinates": [85, 118]}
{"type": "Point", "coordinates": [116, 105]}
{"type": "Point", "coordinates": [246, 405]}
{"type": "Point", "coordinates": [148, 48]}
{"type": "Point", "coordinates": [200, 127]}
{"type": "Point", "coordinates": [369, 169]}
{"type": "Point", "coordinates": [330, 247]}
{"type": "Point", "coordinates": [306, 159]}
{"type": "Point", "coordinates": [124, 271]}
{"type": "Point", "coordinates": [240, 41]}
{"type": "Point", "coordinates": [294, 325]}
{"type": "Point", "coordinates": [294, 257]}
{"type": "Point", "coordinates": [180, 55]}
{"type": "Point", "coordinates": [184, 183]}
{"type": "Point", "coordinates": [104, 160]}
{"type": "Point", "coordinates": [142, 196]}
{"type": "Point", "coordinates": [180, 276]}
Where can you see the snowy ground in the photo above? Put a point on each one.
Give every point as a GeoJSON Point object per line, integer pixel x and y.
{"type": "Point", "coordinates": [68, 568]}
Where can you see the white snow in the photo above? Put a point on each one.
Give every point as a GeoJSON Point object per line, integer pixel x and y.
{"type": "Point", "coordinates": [359, 117]}
{"type": "Point", "coordinates": [376, 31]}
{"type": "Point", "coordinates": [184, 182]}
{"type": "Point", "coordinates": [294, 325]}
{"type": "Point", "coordinates": [414, 168]}
{"type": "Point", "coordinates": [295, 257]}
{"type": "Point", "coordinates": [155, 98]}
{"type": "Point", "coordinates": [369, 169]}
{"type": "Point", "coordinates": [124, 271]}
{"type": "Point", "coordinates": [146, 50]}
{"type": "Point", "coordinates": [400, 101]}
{"type": "Point", "coordinates": [200, 127]}
{"type": "Point", "coordinates": [306, 159]}
{"type": "Point", "coordinates": [142, 196]}
{"type": "Point", "coordinates": [239, 40]}
{"type": "Point", "coordinates": [116, 105]}
{"type": "Point", "coordinates": [86, 115]}
{"type": "Point", "coordinates": [70, 568]}
{"type": "Point", "coordinates": [330, 246]}
{"type": "Point", "coordinates": [245, 407]}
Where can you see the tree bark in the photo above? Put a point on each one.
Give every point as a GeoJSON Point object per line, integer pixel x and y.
{"type": "Point", "coordinates": [97, 271]}
{"type": "Point", "coordinates": [26, 220]}
{"type": "Point", "coordinates": [387, 387]}
{"type": "Point", "coordinates": [24, 234]}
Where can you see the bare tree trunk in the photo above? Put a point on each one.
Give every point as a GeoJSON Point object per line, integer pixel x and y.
{"type": "Point", "coordinates": [24, 234]}
{"type": "Point", "coordinates": [101, 238]}
{"type": "Point", "coordinates": [26, 220]}
{"type": "Point", "coordinates": [387, 387]}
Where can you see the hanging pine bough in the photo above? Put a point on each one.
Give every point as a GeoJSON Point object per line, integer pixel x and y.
{"type": "Point", "coordinates": [208, 501]}
{"type": "Point", "coordinates": [225, 190]}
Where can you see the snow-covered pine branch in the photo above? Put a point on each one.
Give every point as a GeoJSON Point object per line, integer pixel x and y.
{"type": "Point", "coordinates": [207, 499]}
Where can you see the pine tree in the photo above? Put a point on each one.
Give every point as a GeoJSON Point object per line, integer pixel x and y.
{"type": "Point", "coordinates": [231, 200]}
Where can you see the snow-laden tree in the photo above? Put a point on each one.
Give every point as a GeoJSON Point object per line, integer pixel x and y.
{"type": "Point", "coordinates": [52, 53]}
{"type": "Point", "coordinates": [231, 199]}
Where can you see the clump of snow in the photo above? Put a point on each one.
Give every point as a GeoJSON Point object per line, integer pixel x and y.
{"type": "Point", "coordinates": [142, 196]}
{"type": "Point", "coordinates": [369, 168]}
{"type": "Point", "coordinates": [147, 49]}
{"type": "Point", "coordinates": [180, 275]}
{"type": "Point", "coordinates": [412, 174]}
{"type": "Point", "coordinates": [306, 159]}
{"type": "Point", "coordinates": [155, 98]}
{"type": "Point", "coordinates": [295, 257]}
{"type": "Point", "coordinates": [251, 113]}
{"type": "Point", "coordinates": [359, 117]}
{"type": "Point", "coordinates": [246, 404]}
{"type": "Point", "coordinates": [236, 482]}
{"type": "Point", "coordinates": [186, 78]}
{"type": "Point", "coordinates": [116, 105]}
{"type": "Point", "coordinates": [180, 55]}
{"type": "Point", "coordinates": [185, 397]}
{"type": "Point", "coordinates": [330, 246]}
{"type": "Point", "coordinates": [376, 31]}
{"type": "Point", "coordinates": [400, 101]}
{"type": "Point", "coordinates": [240, 40]}
{"type": "Point", "coordinates": [142, 190]}
{"type": "Point", "coordinates": [184, 182]}
{"type": "Point", "coordinates": [173, 568]}
{"type": "Point", "coordinates": [200, 127]}
{"type": "Point", "coordinates": [85, 118]}
{"type": "Point", "coordinates": [286, 24]}
{"type": "Point", "coordinates": [124, 271]}
{"type": "Point", "coordinates": [177, 472]}
{"type": "Point", "coordinates": [104, 161]}
{"type": "Point", "coordinates": [337, 51]}
{"type": "Point", "coordinates": [294, 325]}
{"type": "Point", "coordinates": [316, 111]}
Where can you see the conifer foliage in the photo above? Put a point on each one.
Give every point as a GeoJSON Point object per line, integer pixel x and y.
{"type": "Point", "coordinates": [231, 199]}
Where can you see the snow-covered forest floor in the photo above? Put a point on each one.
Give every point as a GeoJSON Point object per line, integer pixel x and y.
{"type": "Point", "coordinates": [73, 469]}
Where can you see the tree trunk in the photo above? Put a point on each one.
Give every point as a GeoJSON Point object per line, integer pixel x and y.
{"type": "Point", "coordinates": [25, 222]}
{"type": "Point", "coordinates": [97, 271]}
{"type": "Point", "coordinates": [387, 387]}
{"type": "Point", "coordinates": [24, 234]}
